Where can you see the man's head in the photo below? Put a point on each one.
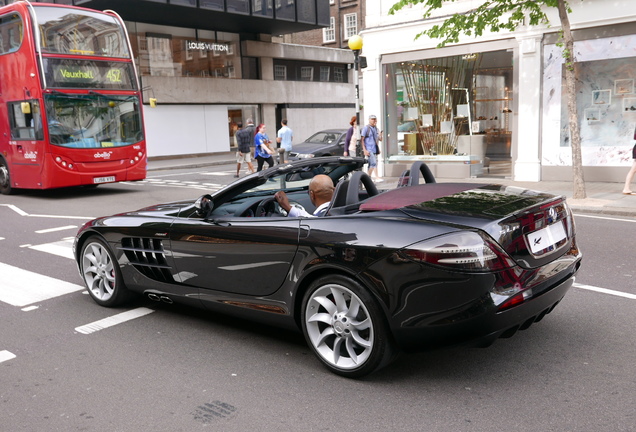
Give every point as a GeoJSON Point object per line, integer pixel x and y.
{"type": "Point", "coordinates": [373, 120]}
{"type": "Point", "coordinates": [320, 189]}
{"type": "Point", "coordinates": [284, 122]}
{"type": "Point", "coordinates": [239, 125]}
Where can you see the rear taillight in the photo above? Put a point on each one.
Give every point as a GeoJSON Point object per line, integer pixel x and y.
{"type": "Point", "coordinates": [469, 251]}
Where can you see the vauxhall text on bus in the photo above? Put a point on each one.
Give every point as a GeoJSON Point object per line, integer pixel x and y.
{"type": "Point", "coordinates": [70, 101]}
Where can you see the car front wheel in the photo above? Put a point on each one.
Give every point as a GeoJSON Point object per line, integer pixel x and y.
{"type": "Point", "coordinates": [345, 327]}
{"type": "Point", "coordinates": [101, 273]}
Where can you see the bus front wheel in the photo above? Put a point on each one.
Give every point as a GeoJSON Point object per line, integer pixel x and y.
{"type": "Point", "coordinates": [5, 179]}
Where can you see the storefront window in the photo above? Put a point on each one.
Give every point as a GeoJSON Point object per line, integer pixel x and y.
{"type": "Point", "coordinates": [453, 107]}
{"type": "Point", "coordinates": [240, 114]}
{"type": "Point", "coordinates": [211, 54]}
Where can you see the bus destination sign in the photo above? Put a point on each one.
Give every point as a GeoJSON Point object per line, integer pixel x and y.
{"type": "Point", "coordinates": [65, 73]}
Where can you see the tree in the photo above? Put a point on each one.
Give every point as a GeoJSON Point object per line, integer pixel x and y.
{"type": "Point", "coordinates": [497, 15]}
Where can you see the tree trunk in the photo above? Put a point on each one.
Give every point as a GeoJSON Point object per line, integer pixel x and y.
{"type": "Point", "coordinates": [571, 76]}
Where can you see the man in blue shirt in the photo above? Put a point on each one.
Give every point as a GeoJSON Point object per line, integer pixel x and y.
{"type": "Point", "coordinates": [284, 139]}
{"type": "Point", "coordinates": [371, 138]}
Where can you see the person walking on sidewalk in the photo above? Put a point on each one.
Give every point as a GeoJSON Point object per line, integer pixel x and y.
{"type": "Point", "coordinates": [371, 138]}
{"type": "Point", "coordinates": [627, 189]}
{"type": "Point", "coordinates": [284, 140]}
{"type": "Point", "coordinates": [262, 150]}
{"type": "Point", "coordinates": [244, 139]}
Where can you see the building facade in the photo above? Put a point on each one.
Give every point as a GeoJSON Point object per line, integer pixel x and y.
{"type": "Point", "coordinates": [495, 105]}
{"type": "Point", "coordinates": [211, 64]}
{"type": "Point", "coordinates": [346, 19]}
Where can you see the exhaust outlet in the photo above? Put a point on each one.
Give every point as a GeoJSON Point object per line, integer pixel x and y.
{"type": "Point", "coordinates": [153, 297]}
{"type": "Point", "coordinates": [166, 299]}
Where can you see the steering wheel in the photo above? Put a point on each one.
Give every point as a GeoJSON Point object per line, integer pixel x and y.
{"type": "Point", "coordinates": [266, 207]}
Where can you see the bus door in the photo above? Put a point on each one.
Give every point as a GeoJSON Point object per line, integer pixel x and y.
{"type": "Point", "coordinates": [26, 146]}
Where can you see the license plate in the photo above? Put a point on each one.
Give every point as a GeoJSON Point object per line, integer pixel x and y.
{"type": "Point", "coordinates": [546, 238]}
{"type": "Point", "coordinates": [108, 179]}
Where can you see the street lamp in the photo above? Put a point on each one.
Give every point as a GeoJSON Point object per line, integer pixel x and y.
{"type": "Point", "coordinates": [355, 44]}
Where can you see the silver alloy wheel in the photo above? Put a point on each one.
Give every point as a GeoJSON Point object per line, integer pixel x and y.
{"type": "Point", "coordinates": [98, 271]}
{"type": "Point", "coordinates": [339, 326]}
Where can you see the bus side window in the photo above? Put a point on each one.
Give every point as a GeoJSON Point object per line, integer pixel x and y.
{"type": "Point", "coordinates": [10, 33]}
{"type": "Point", "coordinates": [26, 124]}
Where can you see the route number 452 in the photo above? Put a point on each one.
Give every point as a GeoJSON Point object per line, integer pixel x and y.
{"type": "Point", "coordinates": [114, 75]}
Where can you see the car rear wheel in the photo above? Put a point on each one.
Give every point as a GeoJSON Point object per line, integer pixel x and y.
{"type": "Point", "coordinates": [345, 327]}
{"type": "Point", "coordinates": [5, 179]}
{"type": "Point", "coordinates": [101, 273]}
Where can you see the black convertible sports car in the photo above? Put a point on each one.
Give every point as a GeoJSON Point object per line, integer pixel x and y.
{"type": "Point", "coordinates": [416, 267]}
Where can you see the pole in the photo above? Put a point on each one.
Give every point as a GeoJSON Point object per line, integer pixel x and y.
{"type": "Point", "coordinates": [356, 81]}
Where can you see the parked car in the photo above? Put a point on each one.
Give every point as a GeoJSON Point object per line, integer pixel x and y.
{"type": "Point", "coordinates": [324, 143]}
{"type": "Point", "coordinates": [411, 268]}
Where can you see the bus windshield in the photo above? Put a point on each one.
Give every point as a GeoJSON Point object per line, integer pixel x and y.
{"type": "Point", "coordinates": [94, 120]}
{"type": "Point", "coordinates": [80, 32]}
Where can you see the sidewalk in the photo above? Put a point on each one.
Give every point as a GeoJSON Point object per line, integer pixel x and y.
{"type": "Point", "coordinates": [602, 197]}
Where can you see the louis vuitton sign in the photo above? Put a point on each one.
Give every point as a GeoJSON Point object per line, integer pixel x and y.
{"type": "Point", "coordinates": [207, 46]}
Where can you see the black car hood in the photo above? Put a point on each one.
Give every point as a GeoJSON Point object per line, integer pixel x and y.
{"type": "Point", "coordinates": [163, 210]}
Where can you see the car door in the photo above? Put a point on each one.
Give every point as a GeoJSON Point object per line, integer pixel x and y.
{"type": "Point", "coordinates": [242, 255]}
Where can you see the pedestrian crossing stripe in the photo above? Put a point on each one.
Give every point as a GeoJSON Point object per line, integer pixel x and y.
{"type": "Point", "coordinates": [19, 287]}
{"type": "Point", "coordinates": [63, 248]}
{"type": "Point", "coordinates": [113, 320]}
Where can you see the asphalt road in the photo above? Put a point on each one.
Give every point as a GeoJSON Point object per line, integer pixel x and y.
{"type": "Point", "coordinates": [179, 369]}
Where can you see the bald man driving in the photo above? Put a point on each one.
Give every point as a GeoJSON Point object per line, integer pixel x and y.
{"type": "Point", "coordinates": [320, 193]}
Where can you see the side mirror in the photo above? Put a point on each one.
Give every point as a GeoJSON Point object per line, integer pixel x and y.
{"type": "Point", "coordinates": [204, 205]}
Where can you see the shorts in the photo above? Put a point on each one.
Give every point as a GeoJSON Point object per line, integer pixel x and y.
{"type": "Point", "coordinates": [372, 160]}
{"type": "Point", "coordinates": [243, 157]}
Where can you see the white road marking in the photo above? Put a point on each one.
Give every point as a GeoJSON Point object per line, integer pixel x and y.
{"type": "Point", "coordinates": [605, 291]}
{"type": "Point", "coordinates": [49, 230]}
{"type": "Point", "coordinates": [6, 355]}
{"type": "Point", "coordinates": [30, 308]}
{"type": "Point", "coordinates": [23, 213]}
{"type": "Point", "coordinates": [62, 248]}
{"type": "Point", "coordinates": [605, 218]}
{"type": "Point", "coordinates": [20, 287]}
{"type": "Point", "coordinates": [113, 320]}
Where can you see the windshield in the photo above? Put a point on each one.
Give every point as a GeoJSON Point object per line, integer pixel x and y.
{"type": "Point", "coordinates": [323, 138]}
{"type": "Point", "coordinates": [80, 32]}
{"type": "Point", "coordinates": [93, 121]}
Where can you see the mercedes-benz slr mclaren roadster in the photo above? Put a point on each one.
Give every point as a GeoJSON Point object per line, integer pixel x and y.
{"type": "Point", "coordinates": [416, 267]}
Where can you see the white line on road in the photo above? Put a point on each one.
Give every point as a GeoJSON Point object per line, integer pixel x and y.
{"type": "Point", "coordinates": [605, 218]}
{"type": "Point", "coordinates": [63, 248]}
{"type": "Point", "coordinates": [49, 230]}
{"type": "Point", "coordinates": [23, 213]}
{"type": "Point", "coordinates": [22, 287]}
{"type": "Point", "coordinates": [113, 320]}
{"type": "Point", "coordinates": [605, 291]}
{"type": "Point", "coordinates": [6, 355]}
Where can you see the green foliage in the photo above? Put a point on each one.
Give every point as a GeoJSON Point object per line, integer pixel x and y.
{"type": "Point", "coordinates": [491, 15]}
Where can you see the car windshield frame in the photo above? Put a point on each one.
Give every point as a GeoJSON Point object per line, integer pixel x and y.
{"type": "Point", "coordinates": [291, 177]}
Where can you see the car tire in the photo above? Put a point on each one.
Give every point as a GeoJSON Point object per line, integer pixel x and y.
{"type": "Point", "coordinates": [345, 327]}
{"type": "Point", "coordinates": [5, 179]}
{"type": "Point", "coordinates": [101, 273]}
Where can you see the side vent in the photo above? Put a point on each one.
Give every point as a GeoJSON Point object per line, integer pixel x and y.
{"type": "Point", "coordinates": [147, 256]}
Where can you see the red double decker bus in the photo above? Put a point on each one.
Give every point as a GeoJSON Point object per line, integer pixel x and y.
{"type": "Point", "coordinates": [70, 101]}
